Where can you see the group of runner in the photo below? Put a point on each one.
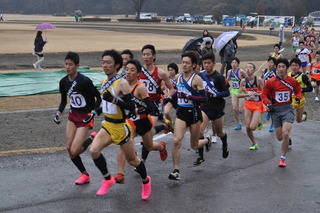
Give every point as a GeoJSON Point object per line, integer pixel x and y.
{"type": "Point", "coordinates": [132, 97]}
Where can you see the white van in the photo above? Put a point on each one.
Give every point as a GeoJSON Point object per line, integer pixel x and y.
{"type": "Point", "coordinates": [316, 21]}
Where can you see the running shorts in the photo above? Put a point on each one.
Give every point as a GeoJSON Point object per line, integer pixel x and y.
{"type": "Point", "coordinates": [119, 133]}
{"type": "Point", "coordinates": [281, 114]}
{"type": "Point", "coordinates": [141, 126]}
{"type": "Point", "coordinates": [77, 119]}
{"type": "Point", "coordinates": [255, 106]}
{"type": "Point", "coordinates": [301, 104]}
{"type": "Point", "coordinates": [213, 114]}
{"type": "Point", "coordinates": [315, 80]}
{"type": "Point", "coordinates": [189, 115]}
{"type": "Point", "coordinates": [304, 64]}
{"type": "Point", "coordinates": [295, 47]}
{"type": "Point", "coordinates": [157, 108]}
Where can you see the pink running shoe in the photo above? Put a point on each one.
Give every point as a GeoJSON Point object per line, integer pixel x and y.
{"type": "Point", "coordinates": [93, 134]}
{"type": "Point", "coordinates": [146, 189]}
{"type": "Point", "coordinates": [282, 163]}
{"type": "Point", "coordinates": [83, 179]}
{"type": "Point", "coordinates": [105, 186]}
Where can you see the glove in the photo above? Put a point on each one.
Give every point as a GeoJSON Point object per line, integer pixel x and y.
{"type": "Point", "coordinates": [56, 119]}
{"type": "Point", "coordinates": [182, 95]}
{"type": "Point", "coordinates": [297, 100]}
{"type": "Point", "coordinates": [90, 117]}
{"type": "Point", "coordinates": [270, 108]}
{"type": "Point", "coordinates": [108, 96]}
{"type": "Point", "coordinates": [166, 100]}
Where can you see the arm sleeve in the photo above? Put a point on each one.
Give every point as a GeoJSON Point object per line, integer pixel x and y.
{"type": "Point", "coordinates": [148, 108]}
{"type": "Point", "coordinates": [224, 87]}
{"type": "Point", "coordinates": [200, 99]}
{"type": "Point", "coordinates": [297, 90]}
{"type": "Point", "coordinates": [265, 92]}
{"type": "Point", "coordinates": [63, 101]}
{"type": "Point", "coordinates": [306, 81]}
{"type": "Point", "coordinates": [127, 102]}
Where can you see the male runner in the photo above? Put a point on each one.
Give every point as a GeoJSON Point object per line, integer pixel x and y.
{"type": "Point", "coordinates": [303, 53]}
{"type": "Point", "coordinates": [84, 98]}
{"type": "Point", "coordinates": [216, 89]}
{"type": "Point", "coordinates": [117, 99]}
{"type": "Point", "coordinates": [235, 74]}
{"type": "Point", "coordinates": [252, 86]}
{"type": "Point", "coordinates": [190, 94]}
{"type": "Point", "coordinates": [276, 95]}
{"type": "Point", "coordinates": [315, 76]}
{"type": "Point", "coordinates": [126, 55]}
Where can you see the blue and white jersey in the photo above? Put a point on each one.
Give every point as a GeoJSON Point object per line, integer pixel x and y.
{"type": "Point", "coordinates": [184, 102]}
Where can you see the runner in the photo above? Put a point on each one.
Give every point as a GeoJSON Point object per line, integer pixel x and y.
{"type": "Point", "coordinates": [302, 54]}
{"type": "Point", "coordinates": [173, 70]}
{"type": "Point", "coordinates": [84, 98]}
{"type": "Point", "coordinates": [252, 85]}
{"type": "Point", "coordinates": [315, 76]}
{"type": "Point", "coordinates": [152, 76]}
{"type": "Point", "coordinates": [276, 95]}
{"type": "Point", "coordinates": [117, 99]}
{"type": "Point", "coordinates": [216, 89]}
{"type": "Point", "coordinates": [126, 55]}
{"type": "Point", "coordinates": [140, 121]}
{"type": "Point", "coordinates": [236, 75]}
{"type": "Point", "coordinates": [268, 73]}
{"type": "Point", "coordinates": [295, 42]}
{"type": "Point", "coordinates": [190, 94]}
{"type": "Point", "coordinates": [303, 80]}
{"type": "Point", "coordinates": [276, 54]}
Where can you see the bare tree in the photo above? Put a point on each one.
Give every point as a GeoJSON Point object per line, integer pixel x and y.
{"type": "Point", "coordinates": [138, 4]}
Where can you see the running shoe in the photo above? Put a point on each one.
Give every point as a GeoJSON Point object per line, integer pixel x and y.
{"type": "Point", "coordinates": [35, 66]}
{"type": "Point", "coordinates": [282, 163]}
{"type": "Point", "coordinates": [83, 179]}
{"type": "Point", "coordinates": [196, 150]}
{"type": "Point", "coordinates": [316, 98]}
{"type": "Point", "coordinates": [290, 142]}
{"type": "Point", "coordinates": [305, 116]}
{"type": "Point", "coordinates": [271, 129]}
{"type": "Point", "coordinates": [169, 127]}
{"type": "Point", "coordinates": [268, 116]}
{"type": "Point", "coordinates": [105, 186]}
{"type": "Point", "coordinates": [199, 161]}
{"type": "Point", "coordinates": [214, 139]}
{"type": "Point", "coordinates": [225, 151]}
{"type": "Point", "coordinates": [119, 178]}
{"type": "Point", "coordinates": [163, 153]}
{"type": "Point", "coordinates": [146, 189]}
{"type": "Point", "coordinates": [208, 145]}
{"type": "Point", "coordinates": [254, 146]}
{"type": "Point", "coordinates": [93, 134]}
{"type": "Point", "coordinates": [239, 127]}
{"type": "Point", "coordinates": [259, 125]}
{"type": "Point", "coordinates": [174, 175]}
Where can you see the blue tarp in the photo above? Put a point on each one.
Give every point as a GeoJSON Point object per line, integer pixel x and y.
{"type": "Point", "coordinates": [31, 83]}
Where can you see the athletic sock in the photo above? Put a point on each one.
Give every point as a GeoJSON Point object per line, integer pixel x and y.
{"type": "Point", "coordinates": [200, 150]}
{"type": "Point", "coordinates": [86, 143]}
{"type": "Point", "coordinates": [224, 140]}
{"type": "Point", "coordinates": [141, 169]}
{"type": "Point", "coordinates": [283, 157]}
{"type": "Point", "coordinates": [78, 162]}
{"type": "Point", "coordinates": [159, 128]}
{"type": "Point", "coordinates": [108, 177]}
{"type": "Point", "coordinates": [101, 163]}
{"type": "Point", "coordinates": [144, 153]}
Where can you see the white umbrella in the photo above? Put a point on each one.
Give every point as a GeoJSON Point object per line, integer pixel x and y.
{"type": "Point", "coordinates": [223, 39]}
{"type": "Point", "coordinates": [205, 39]}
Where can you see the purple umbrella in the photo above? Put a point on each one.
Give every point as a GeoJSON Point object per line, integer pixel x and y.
{"type": "Point", "coordinates": [45, 26]}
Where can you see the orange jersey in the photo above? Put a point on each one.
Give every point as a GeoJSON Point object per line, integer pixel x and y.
{"type": "Point", "coordinates": [316, 71]}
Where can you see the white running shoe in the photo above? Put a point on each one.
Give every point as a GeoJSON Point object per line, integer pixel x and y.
{"type": "Point", "coordinates": [35, 66]}
{"type": "Point", "coordinates": [214, 139]}
{"type": "Point", "coordinates": [316, 98]}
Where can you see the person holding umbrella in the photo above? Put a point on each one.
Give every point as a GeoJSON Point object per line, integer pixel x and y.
{"type": "Point", "coordinates": [38, 48]}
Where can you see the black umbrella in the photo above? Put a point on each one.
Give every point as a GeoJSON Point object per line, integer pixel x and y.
{"type": "Point", "coordinates": [191, 44]}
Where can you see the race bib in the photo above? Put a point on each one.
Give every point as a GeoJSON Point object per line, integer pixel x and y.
{"type": "Point", "coordinates": [256, 98]}
{"type": "Point", "coordinates": [283, 96]}
{"type": "Point", "coordinates": [134, 117]}
{"type": "Point", "coordinates": [316, 71]}
{"type": "Point", "coordinates": [150, 87]}
{"type": "Point", "coordinates": [108, 107]}
{"type": "Point", "coordinates": [235, 85]}
{"type": "Point", "coordinates": [77, 101]}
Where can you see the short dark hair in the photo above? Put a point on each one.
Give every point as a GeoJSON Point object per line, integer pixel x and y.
{"type": "Point", "coordinates": [136, 63]}
{"type": "Point", "coordinates": [210, 56]}
{"type": "Point", "coordinates": [192, 55]}
{"type": "Point", "coordinates": [73, 56]}
{"type": "Point", "coordinates": [254, 66]}
{"type": "Point", "coordinates": [149, 46]}
{"type": "Point", "coordinates": [295, 60]}
{"type": "Point", "coordinates": [272, 59]}
{"type": "Point", "coordinates": [174, 66]}
{"type": "Point", "coordinates": [301, 42]}
{"type": "Point", "coordinates": [127, 51]}
{"type": "Point", "coordinates": [115, 55]}
{"type": "Point", "coordinates": [284, 61]}
{"type": "Point", "coordinates": [236, 59]}
{"type": "Point", "coordinates": [317, 53]}
{"type": "Point", "coordinates": [276, 45]}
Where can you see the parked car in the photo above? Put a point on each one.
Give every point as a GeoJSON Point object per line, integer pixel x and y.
{"type": "Point", "coordinates": [208, 19]}
{"type": "Point", "coordinates": [181, 19]}
{"type": "Point", "coordinates": [170, 19]}
{"type": "Point", "coordinates": [198, 19]}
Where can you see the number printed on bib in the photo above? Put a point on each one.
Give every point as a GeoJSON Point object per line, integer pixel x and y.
{"type": "Point", "coordinates": [150, 87]}
{"type": "Point", "coordinates": [235, 85]}
{"type": "Point", "coordinates": [316, 71]}
{"type": "Point", "coordinates": [283, 96]}
{"type": "Point", "coordinates": [108, 107]}
{"type": "Point", "coordinates": [77, 101]}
